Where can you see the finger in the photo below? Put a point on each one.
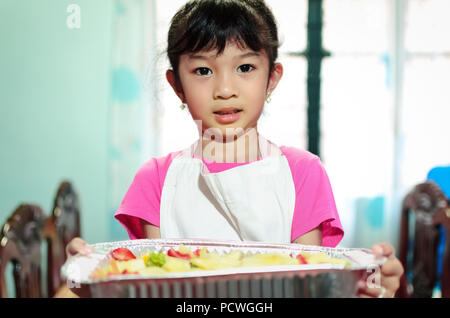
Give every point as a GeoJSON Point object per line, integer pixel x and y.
{"type": "Point", "coordinates": [392, 267]}
{"type": "Point", "coordinates": [366, 292]}
{"type": "Point", "coordinates": [386, 287]}
{"type": "Point", "coordinates": [363, 291]}
{"type": "Point", "coordinates": [375, 292]}
{"type": "Point", "coordinates": [384, 249]}
{"type": "Point", "coordinates": [78, 246]}
{"type": "Point", "coordinates": [391, 284]}
{"type": "Point", "coordinates": [378, 292]}
{"type": "Point", "coordinates": [362, 295]}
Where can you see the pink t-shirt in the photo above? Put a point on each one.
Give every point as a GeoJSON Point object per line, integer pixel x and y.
{"type": "Point", "coordinates": [314, 200]}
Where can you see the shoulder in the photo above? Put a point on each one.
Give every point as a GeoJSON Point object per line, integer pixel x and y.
{"type": "Point", "coordinates": [158, 163]}
{"type": "Point", "coordinates": [307, 170]}
{"type": "Point", "coordinates": [298, 154]}
{"type": "Point", "coordinates": [156, 167]}
{"type": "Point", "coordinates": [301, 161]}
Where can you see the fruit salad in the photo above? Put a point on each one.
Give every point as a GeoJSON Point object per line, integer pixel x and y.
{"type": "Point", "coordinates": [123, 262]}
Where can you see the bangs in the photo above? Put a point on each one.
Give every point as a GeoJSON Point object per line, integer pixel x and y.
{"type": "Point", "coordinates": [211, 25]}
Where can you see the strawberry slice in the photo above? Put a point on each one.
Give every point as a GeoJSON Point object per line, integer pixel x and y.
{"type": "Point", "coordinates": [302, 259]}
{"type": "Point", "coordinates": [197, 252]}
{"type": "Point", "coordinates": [177, 254]}
{"type": "Point", "coordinates": [122, 254]}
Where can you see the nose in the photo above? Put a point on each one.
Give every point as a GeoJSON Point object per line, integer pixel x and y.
{"type": "Point", "coordinates": [225, 87]}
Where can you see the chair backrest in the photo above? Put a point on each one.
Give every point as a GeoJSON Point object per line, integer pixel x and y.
{"type": "Point", "coordinates": [61, 227]}
{"type": "Point", "coordinates": [26, 231]}
{"type": "Point", "coordinates": [21, 239]}
{"type": "Point", "coordinates": [425, 207]}
{"type": "Point", "coordinates": [441, 175]}
{"type": "Point", "coordinates": [443, 218]}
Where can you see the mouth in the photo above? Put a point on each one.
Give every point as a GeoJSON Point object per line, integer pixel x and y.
{"type": "Point", "coordinates": [227, 111]}
{"type": "Point", "coordinates": [226, 116]}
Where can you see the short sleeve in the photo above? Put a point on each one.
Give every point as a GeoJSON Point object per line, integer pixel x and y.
{"type": "Point", "coordinates": [314, 202]}
{"type": "Point", "coordinates": [143, 198]}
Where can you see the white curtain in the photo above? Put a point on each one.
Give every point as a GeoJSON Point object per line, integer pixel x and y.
{"type": "Point", "coordinates": [132, 120]}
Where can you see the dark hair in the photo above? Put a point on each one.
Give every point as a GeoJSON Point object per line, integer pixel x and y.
{"type": "Point", "coordinates": [211, 24]}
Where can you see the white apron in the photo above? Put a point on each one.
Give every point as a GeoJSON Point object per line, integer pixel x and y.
{"type": "Point", "coordinates": [252, 202]}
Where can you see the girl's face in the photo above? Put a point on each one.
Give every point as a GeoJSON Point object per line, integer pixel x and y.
{"type": "Point", "coordinates": [225, 91]}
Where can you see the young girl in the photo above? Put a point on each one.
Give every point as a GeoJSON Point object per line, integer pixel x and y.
{"type": "Point", "coordinates": [233, 184]}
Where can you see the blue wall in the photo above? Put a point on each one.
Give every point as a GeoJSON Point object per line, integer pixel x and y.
{"type": "Point", "coordinates": [54, 97]}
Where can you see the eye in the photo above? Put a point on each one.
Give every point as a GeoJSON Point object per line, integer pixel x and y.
{"type": "Point", "coordinates": [203, 71]}
{"type": "Point", "coordinates": [245, 68]}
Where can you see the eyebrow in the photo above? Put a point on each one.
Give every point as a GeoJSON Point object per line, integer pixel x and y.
{"type": "Point", "coordinates": [206, 57]}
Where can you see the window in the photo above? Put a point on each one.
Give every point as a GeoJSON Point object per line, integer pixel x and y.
{"type": "Point", "coordinates": [357, 144]}
{"type": "Point", "coordinates": [425, 110]}
{"type": "Point", "coordinates": [385, 107]}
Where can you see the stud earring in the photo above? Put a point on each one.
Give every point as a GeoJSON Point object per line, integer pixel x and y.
{"type": "Point", "coordinates": [182, 106]}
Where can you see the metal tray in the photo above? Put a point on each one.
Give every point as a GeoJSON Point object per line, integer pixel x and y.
{"type": "Point", "coordinates": [311, 280]}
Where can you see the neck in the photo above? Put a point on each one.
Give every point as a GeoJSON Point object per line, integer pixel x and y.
{"type": "Point", "coordinates": [240, 148]}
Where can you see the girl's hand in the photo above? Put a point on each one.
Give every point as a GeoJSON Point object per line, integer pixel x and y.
{"type": "Point", "coordinates": [391, 272]}
{"type": "Point", "coordinates": [78, 246]}
{"type": "Point", "coordinates": [75, 246]}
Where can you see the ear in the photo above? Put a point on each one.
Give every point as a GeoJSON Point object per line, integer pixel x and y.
{"type": "Point", "coordinates": [275, 77]}
{"type": "Point", "coordinates": [176, 86]}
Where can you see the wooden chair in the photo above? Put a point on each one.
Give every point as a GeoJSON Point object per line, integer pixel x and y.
{"type": "Point", "coordinates": [21, 240]}
{"type": "Point", "coordinates": [26, 232]}
{"type": "Point", "coordinates": [443, 218]}
{"type": "Point", "coordinates": [427, 208]}
{"type": "Point", "coordinates": [61, 227]}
